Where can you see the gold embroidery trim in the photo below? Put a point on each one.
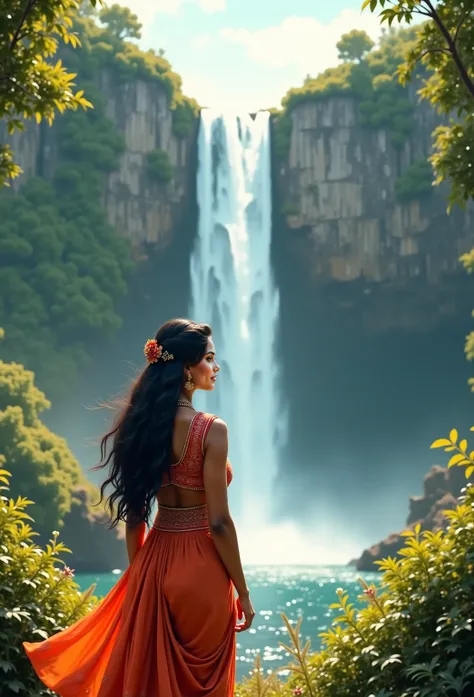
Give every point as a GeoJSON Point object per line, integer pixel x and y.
{"type": "Point", "coordinates": [181, 519]}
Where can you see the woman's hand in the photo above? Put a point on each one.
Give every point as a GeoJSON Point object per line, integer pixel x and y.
{"type": "Point", "coordinates": [246, 612]}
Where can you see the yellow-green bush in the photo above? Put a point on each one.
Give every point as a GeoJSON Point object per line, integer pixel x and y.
{"type": "Point", "coordinates": [42, 464]}
{"type": "Point", "coordinates": [38, 596]}
{"type": "Point", "coordinates": [414, 636]}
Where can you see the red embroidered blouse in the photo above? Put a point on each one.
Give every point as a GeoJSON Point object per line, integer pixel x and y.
{"type": "Point", "coordinates": [187, 473]}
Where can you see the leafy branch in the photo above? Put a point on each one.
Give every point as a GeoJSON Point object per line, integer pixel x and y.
{"type": "Point", "coordinates": [403, 10]}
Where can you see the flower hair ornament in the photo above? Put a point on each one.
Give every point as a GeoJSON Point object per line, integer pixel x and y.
{"type": "Point", "coordinates": [154, 352]}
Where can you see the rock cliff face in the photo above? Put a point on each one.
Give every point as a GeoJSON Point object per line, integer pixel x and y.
{"type": "Point", "coordinates": [338, 185]}
{"type": "Point", "coordinates": [341, 177]}
{"type": "Point", "coordinates": [140, 209]}
{"type": "Point", "coordinates": [338, 198]}
{"type": "Point", "coordinates": [441, 490]}
{"type": "Point", "coordinates": [143, 211]}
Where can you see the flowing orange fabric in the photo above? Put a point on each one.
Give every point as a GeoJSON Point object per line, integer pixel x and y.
{"type": "Point", "coordinates": [166, 629]}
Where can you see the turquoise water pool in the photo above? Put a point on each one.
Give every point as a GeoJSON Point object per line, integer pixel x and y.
{"type": "Point", "coordinates": [296, 591]}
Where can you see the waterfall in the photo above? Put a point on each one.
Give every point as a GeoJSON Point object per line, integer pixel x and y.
{"type": "Point", "coordinates": [233, 289]}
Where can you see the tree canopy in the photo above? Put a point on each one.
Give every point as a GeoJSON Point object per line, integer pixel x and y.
{"type": "Point", "coordinates": [64, 268]}
{"type": "Point", "coordinates": [354, 45]}
{"type": "Point", "coordinates": [121, 21]}
{"type": "Point", "coordinates": [40, 460]}
{"type": "Point", "coordinates": [32, 84]}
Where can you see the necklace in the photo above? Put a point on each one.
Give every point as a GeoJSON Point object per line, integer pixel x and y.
{"type": "Point", "coordinates": [183, 402]}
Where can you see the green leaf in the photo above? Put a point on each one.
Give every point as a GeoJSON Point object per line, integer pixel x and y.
{"type": "Point", "coordinates": [395, 658]}
{"type": "Point", "coordinates": [40, 632]}
{"type": "Point", "coordinates": [6, 666]}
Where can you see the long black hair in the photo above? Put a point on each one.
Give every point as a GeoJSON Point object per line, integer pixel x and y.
{"type": "Point", "coordinates": [141, 438]}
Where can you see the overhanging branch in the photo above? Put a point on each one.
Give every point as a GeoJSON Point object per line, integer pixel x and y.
{"type": "Point", "coordinates": [458, 28]}
{"type": "Point", "coordinates": [16, 36]}
{"type": "Point", "coordinates": [469, 84]}
{"type": "Point", "coordinates": [445, 51]}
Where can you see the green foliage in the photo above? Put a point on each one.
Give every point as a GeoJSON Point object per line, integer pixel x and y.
{"type": "Point", "coordinates": [105, 46]}
{"type": "Point", "coordinates": [64, 267]}
{"type": "Point", "coordinates": [443, 46]}
{"type": "Point", "coordinates": [121, 21]}
{"type": "Point", "coordinates": [413, 636]}
{"type": "Point", "coordinates": [415, 182]}
{"type": "Point", "coordinates": [370, 78]}
{"type": "Point", "coordinates": [354, 45]}
{"type": "Point", "coordinates": [32, 84]}
{"type": "Point", "coordinates": [41, 460]}
{"type": "Point", "coordinates": [260, 685]}
{"type": "Point", "coordinates": [468, 262]}
{"type": "Point", "coordinates": [453, 158]}
{"type": "Point", "coordinates": [185, 113]}
{"type": "Point", "coordinates": [38, 596]}
{"type": "Point", "coordinates": [160, 168]}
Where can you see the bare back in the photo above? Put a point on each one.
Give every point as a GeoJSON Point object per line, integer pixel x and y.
{"type": "Point", "coordinates": [175, 496]}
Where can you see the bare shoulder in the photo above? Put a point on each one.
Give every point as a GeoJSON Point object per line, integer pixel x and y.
{"type": "Point", "coordinates": [217, 436]}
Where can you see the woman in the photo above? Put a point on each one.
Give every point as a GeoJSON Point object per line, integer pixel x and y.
{"type": "Point", "coordinates": [167, 629]}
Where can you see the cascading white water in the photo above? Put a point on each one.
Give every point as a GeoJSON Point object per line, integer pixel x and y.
{"type": "Point", "coordinates": [232, 289]}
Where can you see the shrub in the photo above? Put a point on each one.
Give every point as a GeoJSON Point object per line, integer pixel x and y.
{"type": "Point", "coordinates": [42, 461]}
{"type": "Point", "coordinates": [415, 182]}
{"type": "Point", "coordinates": [38, 596]}
{"type": "Point", "coordinates": [160, 168]}
{"type": "Point", "coordinates": [414, 636]}
{"type": "Point", "coordinates": [185, 114]}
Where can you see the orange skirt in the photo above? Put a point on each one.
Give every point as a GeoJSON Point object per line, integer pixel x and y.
{"type": "Point", "coordinates": [166, 629]}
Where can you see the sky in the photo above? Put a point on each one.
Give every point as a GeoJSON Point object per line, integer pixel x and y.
{"type": "Point", "coordinates": [245, 54]}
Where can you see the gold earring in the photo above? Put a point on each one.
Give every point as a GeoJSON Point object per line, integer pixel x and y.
{"type": "Point", "coordinates": [189, 384]}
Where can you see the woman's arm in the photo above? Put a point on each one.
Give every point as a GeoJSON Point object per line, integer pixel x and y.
{"type": "Point", "coordinates": [135, 531]}
{"type": "Point", "coordinates": [220, 521]}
